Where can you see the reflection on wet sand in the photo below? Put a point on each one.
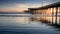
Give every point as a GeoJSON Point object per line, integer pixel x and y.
{"type": "Point", "coordinates": [48, 20]}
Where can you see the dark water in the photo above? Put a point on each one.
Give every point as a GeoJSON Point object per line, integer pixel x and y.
{"type": "Point", "coordinates": [23, 25]}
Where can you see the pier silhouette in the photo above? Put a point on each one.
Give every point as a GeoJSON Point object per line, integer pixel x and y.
{"type": "Point", "coordinates": [49, 14]}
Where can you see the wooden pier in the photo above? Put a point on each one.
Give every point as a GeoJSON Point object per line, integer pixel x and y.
{"type": "Point", "coordinates": [51, 14]}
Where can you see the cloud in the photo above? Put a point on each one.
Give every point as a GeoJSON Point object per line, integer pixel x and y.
{"type": "Point", "coordinates": [17, 7]}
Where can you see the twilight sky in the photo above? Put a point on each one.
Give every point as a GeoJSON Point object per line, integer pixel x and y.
{"type": "Point", "coordinates": [21, 5]}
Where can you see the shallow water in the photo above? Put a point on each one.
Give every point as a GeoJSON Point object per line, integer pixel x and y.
{"type": "Point", "coordinates": [23, 25]}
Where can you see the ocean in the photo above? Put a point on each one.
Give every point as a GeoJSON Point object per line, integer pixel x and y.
{"type": "Point", "coordinates": [24, 25]}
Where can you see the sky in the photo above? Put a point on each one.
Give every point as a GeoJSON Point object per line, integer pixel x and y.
{"type": "Point", "coordinates": [21, 5]}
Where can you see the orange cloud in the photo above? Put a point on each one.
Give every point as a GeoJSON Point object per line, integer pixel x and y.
{"type": "Point", "coordinates": [18, 7]}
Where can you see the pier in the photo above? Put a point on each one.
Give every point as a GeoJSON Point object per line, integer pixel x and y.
{"type": "Point", "coordinates": [49, 14]}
